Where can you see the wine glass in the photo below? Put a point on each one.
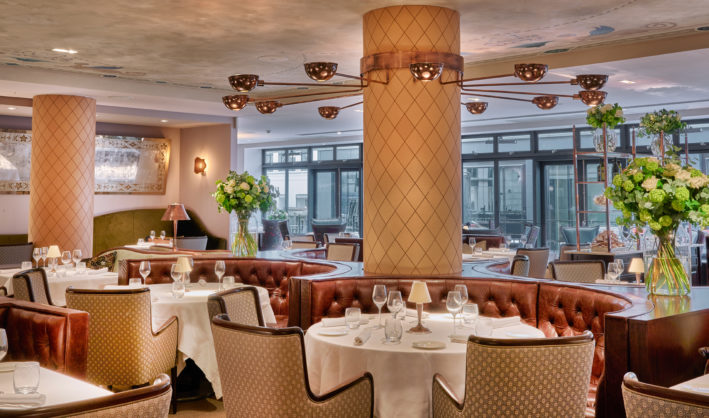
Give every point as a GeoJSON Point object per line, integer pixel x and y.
{"type": "Point", "coordinates": [36, 254]}
{"type": "Point", "coordinates": [144, 269]}
{"type": "Point", "coordinates": [45, 250]}
{"type": "Point", "coordinates": [394, 302]}
{"type": "Point", "coordinates": [453, 305]}
{"type": "Point", "coordinates": [76, 255]}
{"type": "Point", "coordinates": [612, 271]}
{"type": "Point", "coordinates": [175, 275]}
{"type": "Point", "coordinates": [619, 267]}
{"type": "Point", "coordinates": [379, 297]}
{"type": "Point", "coordinates": [287, 243]}
{"type": "Point", "coordinates": [463, 290]}
{"type": "Point", "coordinates": [3, 343]}
{"type": "Point", "coordinates": [66, 258]}
{"type": "Point", "coordinates": [523, 241]}
{"type": "Point", "coordinates": [162, 235]}
{"type": "Point", "coordinates": [152, 235]}
{"type": "Point", "coordinates": [219, 270]}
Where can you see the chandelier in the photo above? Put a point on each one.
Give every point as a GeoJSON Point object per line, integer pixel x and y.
{"type": "Point", "coordinates": [590, 85]}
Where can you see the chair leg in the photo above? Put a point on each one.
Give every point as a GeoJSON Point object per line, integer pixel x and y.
{"type": "Point", "coordinates": [173, 383]}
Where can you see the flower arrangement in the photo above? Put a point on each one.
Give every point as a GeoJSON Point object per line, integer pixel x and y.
{"type": "Point", "coordinates": [278, 215]}
{"type": "Point", "coordinates": [667, 121]}
{"type": "Point", "coordinates": [610, 114]}
{"type": "Point", "coordinates": [662, 196]}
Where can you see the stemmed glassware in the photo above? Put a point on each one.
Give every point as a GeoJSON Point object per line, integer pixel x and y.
{"type": "Point", "coordinates": [36, 254]}
{"type": "Point", "coordinates": [45, 250]}
{"type": "Point", "coordinates": [287, 243]}
{"type": "Point", "coordinates": [3, 343]}
{"type": "Point", "coordinates": [178, 286]}
{"type": "Point", "coordinates": [379, 297]}
{"type": "Point", "coordinates": [76, 256]}
{"type": "Point", "coordinates": [463, 291]}
{"type": "Point", "coordinates": [66, 259]}
{"type": "Point", "coordinates": [144, 269]}
{"type": "Point", "coordinates": [394, 302]}
{"type": "Point", "coordinates": [614, 271]}
{"type": "Point", "coordinates": [175, 275]}
{"type": "Point", "coordinates": [523, 241]}
{"type": "Point", "coordinates": [152, 235]}
{"type": "Point", "coordinates": [453, 305]}
{"type": "Point", "coordinates": [162, 235]}
{"type": "Point", "coordinates": [219, 270]}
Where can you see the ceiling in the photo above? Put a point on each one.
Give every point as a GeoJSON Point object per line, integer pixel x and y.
{"type": "Point", "coordinates": [161, 60]}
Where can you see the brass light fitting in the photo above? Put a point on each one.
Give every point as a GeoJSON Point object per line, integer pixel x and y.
{"type": "Point", "coordinates": [267, 107]}
{"type": "Point", "coordinates": [592, 97]}
{"type": "Point", "coordinates": [243, 82]}
{"type": "Point", "coordinates": [426, 71]}
{"type": "Point", "coordinates": [590, 81]}
{"type": "Point", "coordinates": [530, 72]}
{"type": "Point", "coordinates": [235, 102]}
{"type": "Point", "coordinates": [476, 108]}
{"type": "Point", "coordinates": [545, 102]}
{"type": "Point", "coordinates": [329, 112]}
{"type": "Point", "coordinates": [320, 71]}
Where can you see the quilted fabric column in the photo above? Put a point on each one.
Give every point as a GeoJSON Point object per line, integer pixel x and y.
{"type": "Point", "coordinates": [412, 162]}
{"type": "Point", "coordinates": [62, 172]}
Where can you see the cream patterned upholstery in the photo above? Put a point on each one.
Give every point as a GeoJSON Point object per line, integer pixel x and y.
{"type": "Point", "coordinates": [520, 266]}
{"type": "Point", "coordinates": [268, 377]}
{"type": "Point", "coordinates": [308, 238]}
{"type": "Point", "coordinates": [342, 252]}
{"type": "Point", "coordinates": [538, 260]}
{"type": "Point", "coordinates": [645, 400]}
{"type": "Point", "coordinates": [241, 304]}
{"type": "Point", "coordinates": [587, 271]}
{"type": "Point", "coordinates": [565, 248]}
{"type": "Point", "coordinates": [301, 245]}
{"type": "Point", "coordinates": [31, 285]}
{"type": "Point", "coordinates": [507, 378]}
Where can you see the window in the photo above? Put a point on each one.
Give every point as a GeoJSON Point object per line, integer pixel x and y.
{"type": "Point", "coordinates": [297, 155]}
{"type": "Point", "coordinates": [278, 181]}
{"type": "Point", "coordinates": [350, 189]}
{"type": "Point", "coordinates": [555, 141]}
{"type": "Point", "coordinates": [697, 133]}
{"type": "Point", "coordinates": [274, 156]}
{"type": "Point", "coordinates": [559, 200]}
{"type": "Point", "coordinates": [513, 143]}
{"type": "Point", "coordinates": [478, 193]}
{"type": "Point", "coordinates": [478, 145]}
{"type": "Point", "coordinates": [323, 154]}
{"type": "Point", "coordinates": [516, 198]}
{"type": "Point", "coordinates": [348, 152]}
{"type": "Point", "coordinates": [298, 201]}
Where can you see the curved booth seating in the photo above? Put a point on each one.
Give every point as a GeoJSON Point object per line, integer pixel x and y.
{"type": "Point", "coordinates": [273, 275]}
{"type": "Point", "coordinates": [56, 337]}
{"type": "Point", "coordinates": [124, 253]}
{"type": "Point", "coordinates": [556, 309]}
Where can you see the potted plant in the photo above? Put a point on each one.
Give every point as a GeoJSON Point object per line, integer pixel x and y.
{"type": "Point", "coordinates": [272, 229]}
{"type": "Point", "coordinates": [660, 125]}
{"type": "Point", "coordinates": [601, 117]}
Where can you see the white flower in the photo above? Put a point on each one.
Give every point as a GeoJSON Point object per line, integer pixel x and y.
{"type": "Point", "coordinates": [228, 189]}
{"type": "Point", "coordinates": [265, 189]}
{"type": "Point", "coordinates": [683, 175]}
{"type": "Point", "coordinates": [606, 107]}
{"type": "Point", "coordinates": [619, 113]}
{"type": "Point", "coordinates": [232, 183]}
{"type": "Point", "coordinates": [650, 184]}
{"type": "Point", "coordinates": [590, 110]}
{"type": "Point", "coordinates": [244, 186]}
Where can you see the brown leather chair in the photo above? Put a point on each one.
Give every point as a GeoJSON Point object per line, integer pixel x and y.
{"type": "Point", "coordinates": [241, 304]}
{"type": "Point", "coordinates": [31, 285]}
{"type": "Point", "coordinates": [582, 271]}
{"type": "Point", "coordinates": [644, 400]}
{"type": "Point", "coordinates": [538, 259]}
{"type": "Point", "coordinates": [56, 337]}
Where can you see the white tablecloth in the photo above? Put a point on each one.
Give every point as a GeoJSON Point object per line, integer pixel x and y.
{"type": "Point", "coordinates": [402, 374]}
{"type": "Point", "coordinates": [491, 254]}
{"type": "Point", "coordinates": [698, 385]}
{"type": "Point", "coordinates": [58, 284]}
{"type": "Point", "coordinates": [58, 388]}
{"type": "Point", "coordinates": [195, 340]}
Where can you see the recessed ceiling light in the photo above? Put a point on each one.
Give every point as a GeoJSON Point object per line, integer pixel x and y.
{"type": "Point", "coordinates": [627, 82]}
{"type": "Point", "coordinates": [163, 120]}
{"type": "Point", "coordinates": [339, 132]}
{"type": "Point", "coordinates": [11, 108]}
{"type": "Point", "coordinates": [65, 51]}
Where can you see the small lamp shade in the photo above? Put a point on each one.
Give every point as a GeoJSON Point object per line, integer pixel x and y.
{"type": "Point", "coordinates": [54, 252]}
{"type": "Point", "coordinates": [176, 212]}
{"type": "Point", "coordinates": [183, 265]}
{"type": "Point", "coordinates": [636, 266]}
{"type": "Point", "coordinates": [419, 293]}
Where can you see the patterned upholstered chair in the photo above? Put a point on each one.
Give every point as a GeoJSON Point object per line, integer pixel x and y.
{"type": "Point", "coordinates": [241, 304]}
{"type": "Point", "coordinates": [302, 245]}
{"type": "Point", "coordinates": [538, 259]}
{"type": "Point", "coordinates": [147, 402]}
{"type": "Point", "coordinates": [123, 349]}
{"type": "Point", "coordinates": [15, 254]}
{"type": "Point", "coordinates": [586, 271]}
{"type": "Point", "coordinates": [520, 266]}
{"type": "Point", "coordinates": [546, 377]}
{"type": "Point", "coordinates": [31, 285]}
{"type": "Point", "coordinates": [275, 359]}
{"type": "Point", "coordinates": [299, 238]}
{"type": "Point", "coordinates": [342, 252]}
{"type": "Point", "coordinates": [645, 400]}
{"type": "Point", "coordinates": [565, 248]}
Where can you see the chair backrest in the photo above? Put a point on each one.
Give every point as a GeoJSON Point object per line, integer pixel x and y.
{"type": "Point", "coordinates": [532, 235]}
{"type": "Point", "coordinates": [299, 245]}
{"type": "Point", "coordinates": [334, 226]}
{"type": "Point", "coordinates": [533, 377]}
{"type": "Point", "coordinates": [31, 285]}
{"type": "Point", "coordinates": [565, 248]}
{"type": "Point", "coordinates": [342, 252]}
{"type": "Point", "coordinates": [642, 400]}
{"type": "Point", "coordinates": [586, 271]}
{"type": "Point", "coordinates": [309, 238]}
{"type": "Point", "coordinates": [120, 335]}
{"type": "Point", "coordinates": [538, 259]}
{"type": "Point", "coordinates": [149, 402]}
{"type": "Point", "coordinates": [192, 243]}
{"type": "Point", "coordinates": [241, 304]}
{"type": "Point", "coordinates": [520, 266]}
{"type": "Point", "coordinates": [586, 234]}
{"type": "Point", "coordinates": [15, 254]}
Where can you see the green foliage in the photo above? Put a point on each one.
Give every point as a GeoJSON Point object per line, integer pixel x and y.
{"type": "Point", "coordinates": [667, 121]}
{"type": "Point", "coordinates": [243, 193]}
{"type": "Point", "coordinates": [277, 215]}
{"type": "Point", "coordinates": [610, 114]}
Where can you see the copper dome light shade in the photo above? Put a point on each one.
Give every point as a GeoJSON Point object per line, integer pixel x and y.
{"type": "Point", "coordinates": [592, 97]}
{"type": "Point", "coordinates": [530, 72]}
{"type": "Point", "coordinates": [243, 82]}
{"type": "Point", "coordinates": [591, 81]}
{"type": "Point", "coordinates": [545, 102]}
{"type": "Point", "coordinates": [329, 112]}
{"type": "Point", "coordinates": [426, 71]}
{"type": "Point", "coordinates": [235, 102]}
{"type": "Point", "coordinates": [267, 107]}
{"type": "Point", "coordinates": [476, 108]}
{"type": "Point", "coordinates": [320, 71]}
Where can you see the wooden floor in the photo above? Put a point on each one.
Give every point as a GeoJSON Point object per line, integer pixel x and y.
{"type": "Point", "coordinates": [209, 407]}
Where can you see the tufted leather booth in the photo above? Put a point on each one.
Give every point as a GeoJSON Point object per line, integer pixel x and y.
{"type": "Point", "coordinates": [55, 337]}
{"type": "Point", "coordinates": [271, 274]}
{"type": "Point", "coordinates": [556, 309]}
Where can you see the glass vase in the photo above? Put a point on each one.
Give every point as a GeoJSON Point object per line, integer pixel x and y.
{"type": "Point", "coordinates": [667, 273]}
{"type": "Point", "coordinates": [611, 140]}
{"type": "Point", "coordinates": [244, 244]}
{"type": "Point", "coordinates": [656, 147]}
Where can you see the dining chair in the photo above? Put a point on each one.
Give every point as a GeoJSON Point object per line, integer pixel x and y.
{"type": "Point", "coordinates": [520, 266]}
{"type": "Point", "coordinates": [300, 245]}
{"type": "Point", "coordinates": [151, 401]}
{"type": "Point", "coordinates": [31, 285]}
{"type": "Point", "coordinates": [538, 260]}
{"type": "Point", "coordinates": [543, 377]}
{"type": "Point", "coordinates": [274, 358]}
{"type": "Point", "coordinates": [123, 350]}
{"type": "Point", "coordinates": [342, 252]}
{"type": "Point", "coordinates": [301, 238]}
{"type": "Point", "coordinates": [586, 271]}
{"type": "Point", "coordinates": [532, 236]}
{"type": "Point", "coordinates": [241, 304]}
{"type": "Point", "coordinates": [643, 400]}
{"type": "Point", "coordinates": [565, 248]}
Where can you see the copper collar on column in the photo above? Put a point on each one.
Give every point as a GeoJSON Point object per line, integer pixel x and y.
{"type": "Point", "coordinates": [404, 59]}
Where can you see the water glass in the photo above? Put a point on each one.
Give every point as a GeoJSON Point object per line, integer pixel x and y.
{"type": "Point", "coordinates": [3, 343]}
{"type": "Point", "coordinates": [26, 377]}
{"type": "Point", "coordinates": [144, 269]}
{"type": "Point", "coordinates": [26, 265]}
{"type": "Point", "coordinates": [141, 241]}
{"type": "Point", "coordinates": [178, 289]}
{"type": "Point", "coordinates": [477, 250]}
{"type": "Point", "coordinates": [392, 331]}
{"type": "Point", "coordinates": [152, 235]}
{"type": "Point", "coordinates": [394, 302]}
{"type": "Point", "coordinates": [162, 235]}
{"type": "Point", "coordinates": [76, 256]}
{"type": "Point", "coordinates": [503, 246]}
{"type": "Point", "coordinates": [81, 267]}
{"type": "Point", "coordinates": [219, 270]}
{"type": "Point", "coordinates": [66, 257]}
{"type": "Point", "coordinates": [135, 282]}
{"type": "Point", "coordinates": [287, 243]}
{"type": "Point", "coordinates": [45, 250]}
{"type": "Point", "coordinates": [352, 317]}
{"type": "Point", "coordinates": [228, 282]}
{"type": "Point", "coordinates": [37, 254]}
{"type": "Point", "coordinates": [470, 314]}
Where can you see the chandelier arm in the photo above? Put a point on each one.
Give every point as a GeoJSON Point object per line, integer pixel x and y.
{"type": "Point", "coordinates": [352, 105]}
{"type": "Point", "coordinates": [466, 80]}
{"type": "Point", "coordinates": [363, 79]}
{"type": "Point", "coordinates": [519, 92]}
{"type": "Point", "coordinates": [517, 84]}
{"type": "Point", "coordinates": [292, 96]}
{"type": "Point", "coordinates": [322, 98]}
{"type": "Point", "coordinates": [279, 83]}
{"type": "Point", "coordinates": [496, 97]}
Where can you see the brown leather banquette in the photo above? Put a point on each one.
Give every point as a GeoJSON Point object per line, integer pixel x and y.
{"type": "Point", "coordinates": [55, 337]}
{"type": "Point", "coordinates": [556, 309]}
{"type": "Point", "coordinates": [270, 274]}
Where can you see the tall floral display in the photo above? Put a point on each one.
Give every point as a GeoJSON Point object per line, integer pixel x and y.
{"type": "Point", "coordinates": [608, 116]}
{"type": "Point", "coordinates": [243, 194]}
{"type": "Point", "coordinates": [661, 195]}
{"type": "Point", "coordinates": [660, 126]}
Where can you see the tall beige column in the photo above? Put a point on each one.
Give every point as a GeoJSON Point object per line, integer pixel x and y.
{"type": "Point", "coordinates": [412, 162]}
{"type": "Point", "coordinates": [62, 172]}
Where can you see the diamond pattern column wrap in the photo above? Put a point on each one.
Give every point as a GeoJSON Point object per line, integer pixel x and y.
{"type": "Point", "coordinates": [62, 172]}
{"type": "Point", "coordinates": [412, 162]}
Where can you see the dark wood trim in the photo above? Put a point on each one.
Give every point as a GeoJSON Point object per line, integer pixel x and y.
{"type": "Point", "coordinates": [584, 338]}
{"type": "Point", "coordinates": [28, 282]}
{"type": "Point", "coordinates": [630, 382]}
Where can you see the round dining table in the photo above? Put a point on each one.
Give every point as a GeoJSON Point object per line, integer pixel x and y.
{"type": "Point", "coordinates": [403, 375]}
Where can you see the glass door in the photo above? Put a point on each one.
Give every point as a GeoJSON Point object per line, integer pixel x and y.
{"type": "Point", "coordinates": [325, 196]}
{"type": "Point", "coordinates": [558, 199]}
{"type": "Point", "coordinates": [350, 200]}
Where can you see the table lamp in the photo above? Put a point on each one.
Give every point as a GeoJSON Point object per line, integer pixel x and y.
{"type": "Point", "coordinates": [54, 253]}
{"type": "Point", "coordinates": [419, 295]}
{"type": "Point", "coordinates": [183, 266]}
{"type": "Point", "coordinates": [638, 267]}
{"type": "Point", "coordinates": [175, 212]}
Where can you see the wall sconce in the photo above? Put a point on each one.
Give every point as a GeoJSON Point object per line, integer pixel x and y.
{"type": "Point", "coordinates": [200, 166]}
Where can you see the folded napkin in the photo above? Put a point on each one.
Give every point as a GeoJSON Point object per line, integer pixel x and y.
{"type": "Point", "coordinates": [498, 250]}
{"type": "Point", "coordinates": [122, 287]}
{"type": "Point", "coordinates": [412, 313]}
{"type": "Point", "coordinates": [340, 322]}
{"type": "Point", "coordinates": [97, 271]}
{"type": "Point", "coordinates": [31, 399]}
{"type": "Point", "coordinates": [496, 323]}
{"type": "Point", "coordinates": [363, 336]}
